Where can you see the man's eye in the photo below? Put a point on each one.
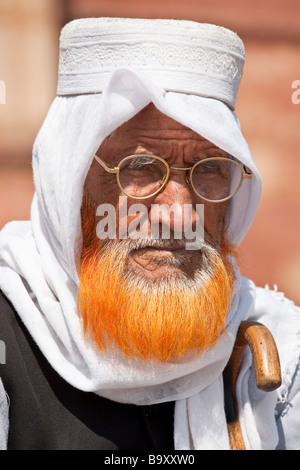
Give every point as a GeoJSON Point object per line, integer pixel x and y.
{"type": "Point", "coordinates": [210, 167]}
{"type": "Point", "coordinates": [140, 163]}
{"type": "Point", "coordinates": [136, 166]}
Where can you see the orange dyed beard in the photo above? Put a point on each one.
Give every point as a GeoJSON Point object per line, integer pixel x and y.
{"type": "Point", "coordinates": [163, 320]}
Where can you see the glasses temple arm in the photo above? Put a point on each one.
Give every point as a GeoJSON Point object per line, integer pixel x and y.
{"type": "Point", "coordinates": [105, 166]}
{"type": "Point", "coordinates": [247, 172]}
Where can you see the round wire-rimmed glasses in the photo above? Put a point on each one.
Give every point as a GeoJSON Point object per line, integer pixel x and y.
{"type": "Point", "coordinates": [214, 179]}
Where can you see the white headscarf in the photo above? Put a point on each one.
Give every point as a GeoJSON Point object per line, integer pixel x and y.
{"type": "Point", "coordinates": [38, 258]}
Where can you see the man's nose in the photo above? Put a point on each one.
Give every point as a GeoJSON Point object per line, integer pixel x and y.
{"type": "Point", "coordinates": [175, 205]}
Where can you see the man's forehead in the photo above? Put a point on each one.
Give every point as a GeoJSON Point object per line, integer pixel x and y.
{"type": "Point", "coordinates": [151, 118]}
{"type": "Point", "coordinates": [151, 125]}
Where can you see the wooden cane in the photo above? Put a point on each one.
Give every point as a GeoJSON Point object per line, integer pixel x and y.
{"type": "Point", "coordinates": [267, 372]}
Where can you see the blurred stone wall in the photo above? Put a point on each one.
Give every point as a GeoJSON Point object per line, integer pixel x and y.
{"type": "Point", "coordinates": [28, 64]}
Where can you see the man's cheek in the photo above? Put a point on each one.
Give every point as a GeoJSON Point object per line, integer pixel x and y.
{"type": "Point", "coordinates": [214, 216]}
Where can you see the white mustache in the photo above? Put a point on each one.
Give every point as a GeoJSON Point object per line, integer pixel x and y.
{"type": "Point", "coordinates": [171, 243]}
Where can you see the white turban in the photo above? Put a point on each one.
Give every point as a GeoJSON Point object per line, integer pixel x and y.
{"type": "Point", "coordinates": [109, 70]}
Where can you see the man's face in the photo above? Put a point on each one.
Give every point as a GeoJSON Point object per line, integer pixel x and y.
{"type": "Point", "coordinates": [153, 133]}
{"type": "Point", "coordinates": [154, 299]}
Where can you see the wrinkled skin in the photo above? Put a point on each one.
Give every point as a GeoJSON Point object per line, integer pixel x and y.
{"type": "Point", "coordinates": [152, 132]}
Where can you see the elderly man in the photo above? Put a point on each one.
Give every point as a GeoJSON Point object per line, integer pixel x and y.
{"type": "Point", "coordinates": [121, 297]}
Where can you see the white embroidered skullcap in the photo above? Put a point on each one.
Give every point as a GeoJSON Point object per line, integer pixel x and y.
{"type": "Point", "coordinates": [180, 56]}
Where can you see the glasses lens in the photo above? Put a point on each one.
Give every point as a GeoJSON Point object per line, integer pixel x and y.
{"type": "Point", "coordinates": [216, 178]}
{"type": "Point", "coordinates": [142, 175]}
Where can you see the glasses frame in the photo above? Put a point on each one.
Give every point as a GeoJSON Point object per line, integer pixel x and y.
{"type": "Point", "coordinates": [246, 173]}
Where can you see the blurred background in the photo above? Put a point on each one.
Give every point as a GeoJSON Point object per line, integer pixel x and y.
{"type": "Point", "coordinates": [270, 29]}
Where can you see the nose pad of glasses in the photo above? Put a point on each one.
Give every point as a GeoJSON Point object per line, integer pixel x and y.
{"type": "Point", "coordinates": [188, 180]}
{"type": "Point", "coordinates": [163, 179]}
